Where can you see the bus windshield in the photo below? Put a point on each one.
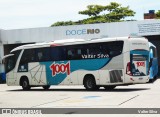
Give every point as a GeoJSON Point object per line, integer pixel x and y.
{"type": "Point", "coordinates": [10, 61]}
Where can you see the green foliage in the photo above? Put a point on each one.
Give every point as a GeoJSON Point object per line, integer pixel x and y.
{"type": "Point", "coordinates": [158, 14]}
{"type": "Point", "coordinates": [113, 12]}
{"type": "Point", "coordinates": [62, 23]}
{"type": "Point", "coordinates": [93, 10]}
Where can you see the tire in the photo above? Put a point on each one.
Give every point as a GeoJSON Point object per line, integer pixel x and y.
{"type": "Point", "coordinates": [90, 84]}
{"type": "Point", "coordinates": [109, 87]}
{"type": "Point", "coordinates": [150, 80]}
{"type": "Point", "coordinates": [25, 84]}
{"type": "Point", "coordinates": [46, 87]}
{"type": "Point", "coordinates": [155, 77]}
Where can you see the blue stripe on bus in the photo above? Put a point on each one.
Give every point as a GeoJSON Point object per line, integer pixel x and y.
{"type": "Point", "coordinates": [88, 64]}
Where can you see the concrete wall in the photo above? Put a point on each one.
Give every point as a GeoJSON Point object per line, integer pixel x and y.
{"type": "Point", "coordinates": [1, 47]}
{"type": "Point", "coordinates": [135, 28]}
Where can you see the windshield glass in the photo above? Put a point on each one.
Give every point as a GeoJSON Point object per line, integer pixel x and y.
{"type": "Point", "coordinates": [10, 61]}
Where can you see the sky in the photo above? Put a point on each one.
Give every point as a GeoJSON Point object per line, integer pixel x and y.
{"type": "Point", "coordinates": [19, 14]}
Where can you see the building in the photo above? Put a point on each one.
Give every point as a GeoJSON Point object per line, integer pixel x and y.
{"type": "Point", "coordinates": [10, 39]}
{"type": "Point", "coordinates": [150, 15]}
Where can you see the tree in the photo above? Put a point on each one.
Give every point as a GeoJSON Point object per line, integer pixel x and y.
{"type": "Point", "coordinates": [62, 23]}
{"type": "Point", "coordinates": [113, 12]}
{"type": "Point", "coordinates": [158, 14]}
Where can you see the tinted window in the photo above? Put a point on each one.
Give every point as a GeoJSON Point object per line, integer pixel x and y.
{"type": "Point", "coordinates": [28, 56]}
{"type": "Point", "coordinates": [58, 53]}
{"type": "Point", "coordinates": [42, 54]}
{"type": "Point", "coordinates": [16, 54]}
{"type": "Point", "coordinates": [115, 48]}
{"type": "Point", "coordinates": [154, 51]}
{"type": "Point", "coordinates": [94, 50]}
{"type": "Point", "coordinates": [73, 52]}
{"type": "Point", "coordinates": [76, 51]}
{"type": "Point", "coordinates": [10, 62]}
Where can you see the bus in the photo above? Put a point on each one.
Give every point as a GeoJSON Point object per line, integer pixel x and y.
{"type": "Point", "coordinates": [94, 63]}
{"type": "Point", "coordinates": [153, 62]}
{"type": "Point", "coordinates": [2, 73]}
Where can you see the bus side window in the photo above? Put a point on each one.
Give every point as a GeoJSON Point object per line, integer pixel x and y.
{"type": "Point", "coordinates": [80, 50]}
{"type": "Point", "coordinates": [43, 54]}
{"type": "Point", "coordinates": [54, 54]}
{"type": "Point", "coordinates": [79, 54]}
{"type": "Point", "coordinates": [27, 56]}
{"type": "Point", "coordinates": [70, 54]}
{"type": "Point", "coordinates": [39, 55]}
{"type": "Point", "coordinates": [94, 49]}
{"type": "Point", "coordinates": [115, 48]}
{"type": "Point", "coordinates": [75, 52]}
{"type": "Point", "coordinates": [58, 53]}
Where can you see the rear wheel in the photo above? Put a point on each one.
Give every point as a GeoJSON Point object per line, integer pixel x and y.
{"type": "Point", "coordinates": [150, 81]}
{"type": "Point", "coordinates": [25, 84]}
{"type": "Point", "coordinates": [46, 87]}
{"type": "Point", "coordinates": [109, 87]}
{"type": "Point", "coordinates": [90, 84]}
{"type": "Point", "coordinates": [155, 77]}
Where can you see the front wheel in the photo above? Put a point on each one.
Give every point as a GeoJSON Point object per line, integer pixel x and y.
{"type": "Point", "coordinates": [25, 84]}
{"type": "Point", "coordinates": [90, 84]}
{"type": "Point", "coordinates": [46, 87]}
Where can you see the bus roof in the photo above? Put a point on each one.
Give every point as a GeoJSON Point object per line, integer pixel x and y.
{"type": "Point", "coordinates": [69, 42]}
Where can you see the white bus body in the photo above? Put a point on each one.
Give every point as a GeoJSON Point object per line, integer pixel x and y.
{"type": "Point", "coordinates": [106, 62]}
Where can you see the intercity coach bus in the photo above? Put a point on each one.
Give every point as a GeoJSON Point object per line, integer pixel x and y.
{"type": "Point", "coordinates": [153, 62]}
{"type": "Point", "coordinates": [94, 63]}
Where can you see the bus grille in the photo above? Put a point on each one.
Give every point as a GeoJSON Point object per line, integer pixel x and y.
{"type": "Point", "coordinates": [115, 76]}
